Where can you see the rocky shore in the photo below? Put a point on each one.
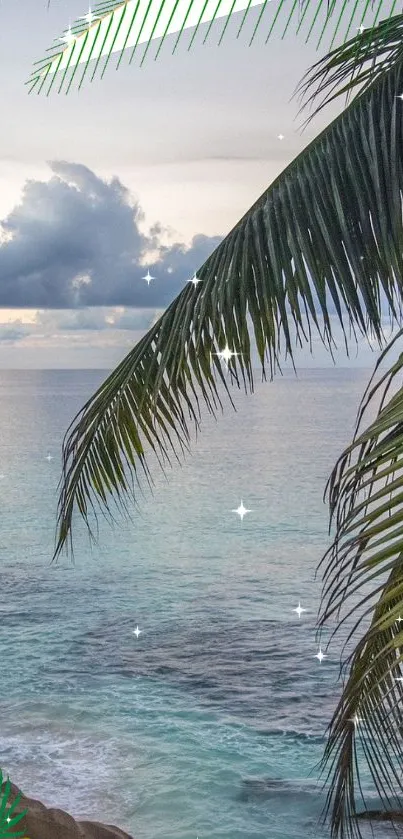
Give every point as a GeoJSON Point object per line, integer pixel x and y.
{"type": "Point", "coordinates": [42, 822]}
{"type": "Point", "coordinates": [381, 815]}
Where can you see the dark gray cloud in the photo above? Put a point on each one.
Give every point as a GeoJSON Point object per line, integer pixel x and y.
{"type": "Point", "coordinates": [75, 241]}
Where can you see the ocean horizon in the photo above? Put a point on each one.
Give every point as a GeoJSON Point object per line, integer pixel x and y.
{"type": "Point", "coordinates": [211, 722]}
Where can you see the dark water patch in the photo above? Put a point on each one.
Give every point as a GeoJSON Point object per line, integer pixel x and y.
{"type": "Point", "coordinates": [288, 734]}
{"type": "Point", "coordinates": [267, 788]}
{"type": "Point", "coordinates": [61, 582]}
{"type": "Point", "coordinates": [257, 670]}
{"type": "Point", "coordinates": [17, 618]}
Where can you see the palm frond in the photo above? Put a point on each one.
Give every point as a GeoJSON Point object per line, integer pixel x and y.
{"type": "Point", "coordinates": [7, 820]}
{"type": "Point", "coordinates": [357, 63]}
{"type": "Point", "coordinates": [326, 237]}
{"type": "Point", "coordinates": [364, 562]}
{"type": "Point", "coordinates": [372, 697]}
{"type": "Point", "coordinates": [117, 25]}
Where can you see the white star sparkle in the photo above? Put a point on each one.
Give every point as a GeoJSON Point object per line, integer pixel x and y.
{"type": "Point", "coordinates": [89, 17]}
{"type": "Point", "coordinates": [241, 511]}
{"type": "Point", "coordinates": [226, 354]}
{"type": "Point", "coordinates": [137, 632]}
{"type": "Point", "coordinates": [69, 38]}
{"type": "Point", "coordinates": [299, 610]}
{"type": "Point", "coordinates": [148, 278]}
{"type": "Point", "coordinates": [320, 655]}
{"type": "Point", "coordinates": [280, 136]}
{"type": "Point", "coordinates": [355, 719]}
{"type": "Point", "coordinates": [400, 96]}
{"type": "Point", "coordinates": [360, 29]}
{"type": "Point", "coordinates": [195, 279]}
{"type": "Point", "coordinates": [48, 457]}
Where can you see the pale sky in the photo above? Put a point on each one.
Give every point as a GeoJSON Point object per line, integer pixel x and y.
{"type": "Point", "coordinates": [162, 159]}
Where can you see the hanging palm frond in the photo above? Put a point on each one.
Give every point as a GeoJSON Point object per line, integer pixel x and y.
{"type": "Point", "coordinates": [115, 26]}
{"type": "Point", "coordinates": [366, 561]}
{"type": "Point", "coordinates": [325, 238]}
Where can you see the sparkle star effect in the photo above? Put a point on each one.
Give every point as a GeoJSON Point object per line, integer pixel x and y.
{"type": "Point", "coordinates": [320, 655]}
{"type": "Point", "coordinates": [226, 354]}
{"type": "Point", "coordinates": [195, 279]}
{"type": "Point", "coordinates": [89, 17]}
{"type": "Point", "coordinates": [137, 632]}
{"type": "Point", "coordinates": [280, 136]}
{"type": "Point", "coordinates": [355, 719]}
{"type": "Point", "coordinates": [299, 610]}
{"type": "Point", "coordinates": [68, 38]}
{"type": "Point", "coordinates": [241, 511]}
{"type": "Point", "coordinates": [400, 96]}
{"type": "Point", "coordinates": [360, 29]}
{"type": "Point", "coordinates": [49, 457]}
{"type": "Point", "coordinates": [148, 278]}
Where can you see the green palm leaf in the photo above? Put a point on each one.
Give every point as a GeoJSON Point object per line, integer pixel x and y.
{"type": "Point", "coordinates": [7, 820]}
{"type": "Point", "coordinates": [366, 561]}
{"type": "Point", "coordinates": [117, 25]}
{"type": "Point", "coordinates": [355, 64]}
{"type": "Point", "coordinates": [325, 236]}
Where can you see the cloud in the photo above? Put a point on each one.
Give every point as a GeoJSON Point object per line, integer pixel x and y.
{"type": "Point", "coordinates": [94, 319]}
{"type": "Point", "coordinates": [94, 328]}
{"type": "Point", "coordinates": [10, 333]}
{"type": "Point", "coordinates": [75, 241]}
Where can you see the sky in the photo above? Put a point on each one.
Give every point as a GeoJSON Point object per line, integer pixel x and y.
{"type": "Point", "coordinates": [149, 165]}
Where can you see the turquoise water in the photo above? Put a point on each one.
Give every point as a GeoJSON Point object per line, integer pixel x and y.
{"type": "Point", "coordinates": [210, 723]}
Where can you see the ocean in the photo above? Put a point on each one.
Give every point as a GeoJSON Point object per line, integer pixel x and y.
{"type": "Point", "coordinates": [212, 721]}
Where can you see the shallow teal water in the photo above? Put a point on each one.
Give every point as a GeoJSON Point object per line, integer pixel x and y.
{"type": "Point", "coordinates": [210, 723]}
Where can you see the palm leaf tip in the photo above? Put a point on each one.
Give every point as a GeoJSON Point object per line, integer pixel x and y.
{"type": "Point", "coordinates": [355, 65]}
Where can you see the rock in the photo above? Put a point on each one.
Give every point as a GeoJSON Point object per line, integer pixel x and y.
{"type": "Point", "coordinates": [41, 822]}
{"type": "Point", "coordinates": [381, 815]}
